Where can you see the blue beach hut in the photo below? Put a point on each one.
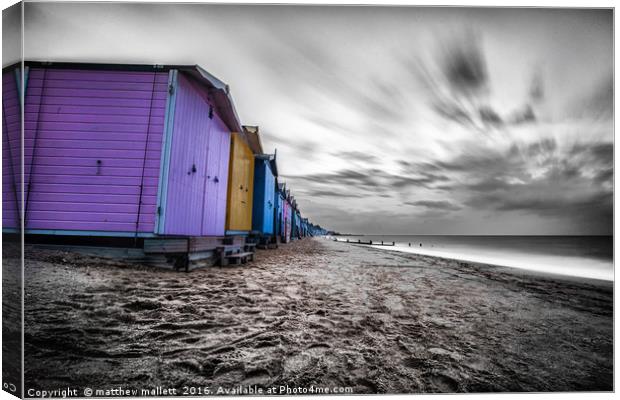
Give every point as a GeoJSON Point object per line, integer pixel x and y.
{"type": "Point", "coordinates": [263, 211]}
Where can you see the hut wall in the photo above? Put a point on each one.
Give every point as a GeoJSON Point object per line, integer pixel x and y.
{"type": "Point", "coordinates": [198, 172]}
{"type": "Point", "coordinates": [293, 224]}
{"type": "Point", "coordinates": [287, 221]}
{"type": "Point", "coordinates": [240, 186]}
{"type": "Point", "coordinates": [92, 139]}
{"type": "Point", "coordinates": [279, 228]}
{"type": "Point", "coordinates": [264, 198]}
{"type": "Point", "coordinates": [11, 149]}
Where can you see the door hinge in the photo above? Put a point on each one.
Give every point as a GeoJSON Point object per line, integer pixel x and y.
{"type": "Point", "coordinates": [171, 89]}
{"type": "Point", "coordinates": [159, 210]}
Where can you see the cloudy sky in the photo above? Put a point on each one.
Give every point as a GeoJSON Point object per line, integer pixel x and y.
{"type": "Point", "coordinates": [393, 120]}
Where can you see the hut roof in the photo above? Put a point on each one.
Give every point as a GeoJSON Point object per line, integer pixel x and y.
{"type": "Point", "coordinates": [218, 89]}
{"type": "Point", "coordinates": [272, 162]}
{"type": "Point", "coordinates": [251, 132]}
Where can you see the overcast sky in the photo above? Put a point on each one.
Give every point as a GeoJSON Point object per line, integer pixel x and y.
{"type": "Point", "coordinates": [393, 120]}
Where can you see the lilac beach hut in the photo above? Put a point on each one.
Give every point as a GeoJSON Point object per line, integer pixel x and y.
{"type": "Point", "coordinates": [120, 150]}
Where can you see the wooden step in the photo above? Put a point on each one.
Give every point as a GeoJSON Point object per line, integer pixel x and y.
{"type": "Point", "coordinates": [238, 258]}
{"type": "Point", "coordinates": [228, 249]}
{"type": "Point", "coordinates": [239, 255]}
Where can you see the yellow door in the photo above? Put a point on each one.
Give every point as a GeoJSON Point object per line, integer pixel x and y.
{"type": "Point", "coordinates": [240, 186]}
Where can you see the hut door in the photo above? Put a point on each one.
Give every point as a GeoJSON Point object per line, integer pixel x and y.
{"type": "Point", "coordinates": [214, 210]}
{"type": "Point", "coordinates": [188, 162]}
{"type": "Point", "coordinates": [269, 200]}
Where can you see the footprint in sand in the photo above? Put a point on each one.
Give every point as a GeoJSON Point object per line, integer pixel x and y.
{"type": "Point", "coordinates": [306, 359]}
{"type": "Point", "coordinates": [228, 375]}
{"type": "Point", "coordinates": [258, 377]}
{"type": "Point", "coordinates": [415, 363]}
{"type": "Point", "coordinates": [298, 363]}
{"type": "Point", "coordinates": [444, 383]}
{"type": "Point", "coordinates": [320, 321]}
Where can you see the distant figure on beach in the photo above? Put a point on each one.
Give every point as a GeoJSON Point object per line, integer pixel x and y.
{"type": "Point", "coordinates": [420, 244]}
{"type": "Point", "coordinates": [409, 244]}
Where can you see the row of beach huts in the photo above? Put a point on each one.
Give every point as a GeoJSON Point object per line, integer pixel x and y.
{"type": "Point", "coordinates": [155, 154]}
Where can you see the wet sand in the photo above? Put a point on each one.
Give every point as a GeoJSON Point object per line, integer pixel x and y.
{"type": "Point", "coordinates": [315, 312]}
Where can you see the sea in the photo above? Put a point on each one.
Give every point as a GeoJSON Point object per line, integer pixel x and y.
{"type": "Point", "coordinates": [588, 257]}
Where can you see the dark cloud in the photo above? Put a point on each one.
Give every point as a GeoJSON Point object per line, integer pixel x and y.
{"type": "Point", "coordinates": [330, 193]}
{"type": "Point", "coordinates": [345, 177]}
{"type": "Point", "coordinates": [458, 83]}
{"type": "Point", "coordinates": [523, 116]}
{"type": "Point", "coordinates": [425, 180]}
{"type": "Point", "coordinates": [419, 167]}
{"type": "Point", "coordinates": [592, 212]}
{"type": "Point", "coordinates": [489, 116]}
{"type": "Point", "coordinates": [544, 146]}
{"type": "Point", "coordinates": [605, 176]}
{"type": "Point", "coordinates": [372, 179]}
{"type": "Point", "coordinates": [474, 162]}
{"type": "Point", "coordinates": [488, 185]}
{"type": "Point", "coordinates": [437, 205]}
{"type": "Point", "coordinates": [552, 205]}
{"type": "Point", "coordinates": [602, 153]}
{"type": "Point", "coordinates": [452, 111]}
{"type": "Point", "coordinates": [540, 179]}
{"type": "Point", "coordinates": [464, 65]}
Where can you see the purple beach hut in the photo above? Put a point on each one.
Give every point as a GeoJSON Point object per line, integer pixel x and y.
{"type": "Point", "coordinates": [118, 150]}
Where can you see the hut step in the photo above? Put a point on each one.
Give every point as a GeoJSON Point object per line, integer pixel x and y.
{"type": "Point", "coordinates": [239, 258]}
{"type": "Point", "coordinates": [250, 246]}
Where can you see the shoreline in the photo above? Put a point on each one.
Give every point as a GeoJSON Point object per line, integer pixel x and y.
{"type": "Point", "coordinates": [603, 273]}
{"type": "Point", "coordinates": [511, 269]}
{"type": "Point", "coordinates": [315, 312]}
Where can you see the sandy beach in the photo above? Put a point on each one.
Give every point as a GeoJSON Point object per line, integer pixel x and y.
{"type": "Point", "coordinates": [314, 312]}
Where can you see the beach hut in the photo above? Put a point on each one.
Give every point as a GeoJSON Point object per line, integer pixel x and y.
{"type": "Point", "coordinates": [122, 150]}
{"type": "Point", "coordinates": [240, 187]}
{"type": "Point", "coordinates": [279, 212]}
{"type": "Point", "coordinates": [11, 148]}
{"type": "Point", "coordinates": [288, 222]}
{"type": "Point", "coordinates": [263, 211]}
{"type": "Point", "coordinates": [286, 216]}
{"type": "Point", "coordinates": [265, 173]}
{"type": "Point", "coordinates": [297, 228]}
{"type": "Point", "coordinates": [293, 219]}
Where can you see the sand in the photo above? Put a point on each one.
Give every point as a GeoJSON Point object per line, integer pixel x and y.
{"type": "Point", "coordinates": [314, 313]}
